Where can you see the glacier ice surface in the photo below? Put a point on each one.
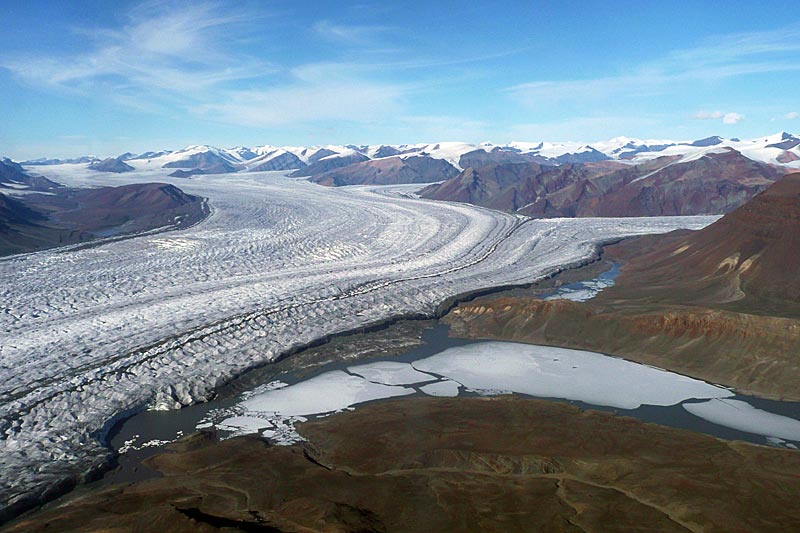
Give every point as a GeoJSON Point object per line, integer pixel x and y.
{"type": "Point", "coordinates": [162, 319]}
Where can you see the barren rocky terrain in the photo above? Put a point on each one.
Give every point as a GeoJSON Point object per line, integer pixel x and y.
{"type": "Point", "coordinates": [489, 464]}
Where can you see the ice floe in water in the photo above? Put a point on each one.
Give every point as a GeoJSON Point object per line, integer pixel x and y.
{"type": "Point", "coordinates": [582, 292]}
{"type": "Point", "coordinates": [391, 373]}
{"type": "Point", "coordinates": [327, 392]}
{"type": "Point", "coordinates": [562, 373]}
{"type": "Point", "coordinates": [273, 412]}
{"type": "Point", "coordinates": [445, 388]}
{"type": "Point", "coordinates": [741, 415]}
{"type": "Point", "coordinates": [586, 290]}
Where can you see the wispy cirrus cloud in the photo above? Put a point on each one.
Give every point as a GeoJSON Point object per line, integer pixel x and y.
{"type": "Point", "coordinates": [306, 103]}
{"type": "Point", "coordinates": [708, 115]}
{"type": "Point", "coordinates": [184, 59]}
{"type": "Point", "coordinates": [716, 59]}
{"type": "Point", "coordinates": [350, 33]}
{"type": "Point", "coordinates": [792, 115]}
{"type": "Point", "coordinates": [727, 118]}
{"type": "Point", "coordinates": [180, 58]}
{"type": "Point", "coordinates": [160, 47]}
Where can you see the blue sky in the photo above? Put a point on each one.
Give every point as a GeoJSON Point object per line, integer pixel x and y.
{"type": "Point", "coordinates": [106, 77]}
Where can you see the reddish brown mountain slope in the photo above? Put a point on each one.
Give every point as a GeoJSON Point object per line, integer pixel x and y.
{"type": "Point", "coordinates": [715, 183]}
{"type": "Point", "coordinates": [389, 171]}
{"type": "Point", "coordinates": [452, 464]}
{"type": "Point", "coordinates": [748, 260]}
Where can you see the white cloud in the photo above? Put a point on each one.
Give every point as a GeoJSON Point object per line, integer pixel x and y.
{"type": "Point", "coordinates": [727, 118]}
{"type": "Point", "coordinates": [732, 118]}
{"type": "Point", "coordinates": [792, 115]}
{"type": "Point", "coordinates": [348, 33]}
{"type": "Point", "coordinates": [161, 50]}
{"type": "Point", "coordinates": [180, 57]}
{"type": "Point", "coordinates": [719, 59]}
{"type": "Point", "coordinates": [706, 115]}
{"type": "Point", "coordinates": [304, 102]}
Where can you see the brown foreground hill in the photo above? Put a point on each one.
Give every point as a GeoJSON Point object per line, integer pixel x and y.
{"type": "Point", "coordinates": [460, 464]}
{"type": "Point", "coordinates": [721, 304]}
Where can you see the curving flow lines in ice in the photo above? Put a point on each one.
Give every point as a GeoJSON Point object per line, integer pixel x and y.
{"type": "Point", "coordinates": [163, 319]}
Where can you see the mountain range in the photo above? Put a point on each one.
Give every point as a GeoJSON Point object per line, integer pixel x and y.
{"type": "Point", "coordinates": [781, 148]}
{"type": "Point", "coordinates": [709, 182]}
{"type": "Point", "coordinates": [619, 177]}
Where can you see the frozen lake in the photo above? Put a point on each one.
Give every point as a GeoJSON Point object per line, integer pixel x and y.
{"type": "Point", "coordinates": [445, 366]}
{"type": "Point", "coordinates": [489, 368]}
{"type": "Point", "coordinates": [163, 319]}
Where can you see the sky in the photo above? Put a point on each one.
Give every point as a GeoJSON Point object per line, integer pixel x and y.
{"type": "Point", "coordinates": [103, 78]}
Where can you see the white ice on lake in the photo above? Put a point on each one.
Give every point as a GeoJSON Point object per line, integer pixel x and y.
{"type": "Point", "coordinates": [485, 367]}
{"type": "Point", "coordinates": [162, 319]}
{"type": "Point", "coordinates": [549, 372]}
{"type": "Point", "coordinates": [391, 373]}
{"type": "Point", "coordinates": [327, 392]}
{"type": "Point", "coordinates": [445, 388]}
{"type": "Point", "coordinates": [586, 291]}
{"type": "Point", "coordinates": [737, 414]}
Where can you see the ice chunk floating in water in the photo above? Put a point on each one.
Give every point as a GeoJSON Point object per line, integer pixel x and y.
{"type": "Point", "coordinates": [550, 372]}
{"type": "Point", "coordinates": [327, 392]}
{"type": "Point", "coordinates": [445, 388]}
{"type": "Point", "coordinates": [391, 373]}
{"type": "Point", "coordinates": [741, 415]}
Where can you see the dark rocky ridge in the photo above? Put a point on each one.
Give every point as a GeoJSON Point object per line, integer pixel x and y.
{"type": "Point", "coordinates": [12, 176]}
{"type": "Point", "coordinates": [389, 171]}
{"type": "Point", "coordinates": [211, 168]}
{"type": "Point", "coordinates": [207, 162]}
{"type": "Point", "coordinates": [497, 156]}
{"type": "Point", "coordinates": [112, 164]}
{"type": "Point", "coordinates": [69, 216]}
{"type": "Point", "coordinates": [591, 155]}
{"type": "Point", "coordinates": [327, 163]}
{"type": "Point", "coordinates": [284, 161]}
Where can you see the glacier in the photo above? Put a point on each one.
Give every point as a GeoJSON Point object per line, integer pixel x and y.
{"type": "Point", "coordinates": [91, 334]}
